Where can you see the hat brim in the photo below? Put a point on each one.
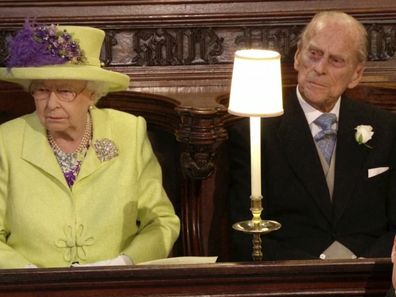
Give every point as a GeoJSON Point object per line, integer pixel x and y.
{"type": "Point", "coordinates": [115, 81]}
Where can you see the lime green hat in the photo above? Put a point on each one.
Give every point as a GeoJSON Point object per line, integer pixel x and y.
{"type": "Point", "coordinates": [59, 52]}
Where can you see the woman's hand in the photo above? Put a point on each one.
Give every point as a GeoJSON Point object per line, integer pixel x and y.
{"type": "Point", "coordinates": [121, 260]}
{"type": "Point", "coordinates": [30, 266]}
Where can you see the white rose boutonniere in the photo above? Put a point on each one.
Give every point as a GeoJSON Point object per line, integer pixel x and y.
{"type": "Point", "coordinates": [363, 134]}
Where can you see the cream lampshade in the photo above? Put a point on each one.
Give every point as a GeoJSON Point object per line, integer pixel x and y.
{"type": "Point", "coordinates": [256, 86]}
{"type": "Point", "coordinates": [256, 91]}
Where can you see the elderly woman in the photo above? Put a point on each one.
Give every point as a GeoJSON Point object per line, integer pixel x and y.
{"type": "Point", "coordinates": [78, 185]}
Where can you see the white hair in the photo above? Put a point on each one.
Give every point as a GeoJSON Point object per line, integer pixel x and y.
{"type": "Point", "coordinates": [99, 89]}
{"type": "Point", "coordinates": [355, 28]}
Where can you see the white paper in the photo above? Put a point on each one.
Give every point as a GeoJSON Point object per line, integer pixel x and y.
{"type": "Point", "coordinates": [181, 260]}
{"type": "Point", "coordinates": [337, 251]}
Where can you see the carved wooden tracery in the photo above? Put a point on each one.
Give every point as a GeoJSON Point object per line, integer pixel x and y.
{"type": "Point", "coordinates": [206, 45]}
{"type": "Point", "coordinates": [3, 48]}
{"type": "Point", "coordinates": [382, 42]}
{"type": "Point", "coordinates": [176, 47]}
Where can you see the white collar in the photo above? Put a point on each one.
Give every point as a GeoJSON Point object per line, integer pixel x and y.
{"type": "Point", "coordinates": [312, 113]}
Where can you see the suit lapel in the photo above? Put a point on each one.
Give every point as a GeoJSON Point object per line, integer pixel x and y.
{"type": "Point", "coordinates": [350, 157]}
{"type": "Point", "coordinates": [300, 150]}
{"type": "Point", "coordinates": [37, 151]}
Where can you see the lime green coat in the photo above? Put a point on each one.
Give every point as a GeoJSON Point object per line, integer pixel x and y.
{"type": "Point", "coordinates": [115, 207]}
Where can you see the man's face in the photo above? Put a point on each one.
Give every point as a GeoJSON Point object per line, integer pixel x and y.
{"type": "Point", "coordinates": [327, 65]}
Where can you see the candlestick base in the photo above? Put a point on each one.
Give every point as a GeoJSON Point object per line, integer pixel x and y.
{"type": "Point", "coordinates": [262, 227]}
{"type": "Point", "coordinates": [257, 228]}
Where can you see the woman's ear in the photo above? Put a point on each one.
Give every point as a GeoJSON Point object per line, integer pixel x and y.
{"type": "Point", "coordinates": [92, 97]}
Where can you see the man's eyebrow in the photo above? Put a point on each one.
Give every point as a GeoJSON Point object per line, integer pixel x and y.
{"type": "Point", "coordinates": [314, 47]}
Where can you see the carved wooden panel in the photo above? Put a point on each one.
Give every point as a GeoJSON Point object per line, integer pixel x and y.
{"type": "Point", "coordinates": [207, 45]}
{"type": "Point", "coordinates": [153, 40]}
{"type": "Point", "coordinates": [135, 48]}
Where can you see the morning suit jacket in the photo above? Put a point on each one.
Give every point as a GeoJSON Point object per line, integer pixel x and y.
{"type": "Point", "coordinates": [390, 293]}
{"type": "Point", "coordinates": [362, 212]}
{"type": "Point", "coordinates": [116, 206]}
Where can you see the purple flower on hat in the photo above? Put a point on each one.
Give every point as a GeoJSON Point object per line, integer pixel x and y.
{"type": "Point", "coordinates": [38, 45]}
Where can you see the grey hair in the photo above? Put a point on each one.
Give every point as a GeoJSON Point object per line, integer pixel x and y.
{"type": "Point", "coordinates": [342, 18]}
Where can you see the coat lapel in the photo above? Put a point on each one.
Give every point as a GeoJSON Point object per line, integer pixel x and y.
{"type": "Point", "coordinates": [101, 130]}
{"type": "Point", "coordinates": [35, 137]}
{"type": "Point", "coordinates": [37, 151]}
{"type": "Point", "coordinates": [300, 150]}
{"type": "Point", "coordinates": [350, 157]}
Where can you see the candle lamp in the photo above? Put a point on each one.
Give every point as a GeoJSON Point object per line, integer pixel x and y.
{"type": "Point", "coordinates": [256, 92]}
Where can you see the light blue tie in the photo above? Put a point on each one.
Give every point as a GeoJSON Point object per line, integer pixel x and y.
{"type": "Point", "coordinates": [326, 138]}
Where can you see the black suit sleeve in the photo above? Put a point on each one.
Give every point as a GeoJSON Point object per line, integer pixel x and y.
{"type": "Point", "coordinates": [390, 293]}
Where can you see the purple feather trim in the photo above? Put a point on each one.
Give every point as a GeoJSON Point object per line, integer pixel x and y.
{"type": "Point", "coordinates": [37, 45]}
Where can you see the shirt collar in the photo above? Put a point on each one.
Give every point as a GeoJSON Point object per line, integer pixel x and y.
{"type": "Point", "coordinates": [312, 113]}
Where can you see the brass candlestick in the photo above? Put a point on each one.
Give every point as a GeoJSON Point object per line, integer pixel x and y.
{"type": "Point", "coordinates": [257, 227]}
{"type": "Point", "coordinates": [256, 91]}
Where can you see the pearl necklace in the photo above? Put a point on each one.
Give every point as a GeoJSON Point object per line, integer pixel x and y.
{"type": "Point", "coordinates": [70, 163]}
{"type": "Point", "coordinates": [83, 143]}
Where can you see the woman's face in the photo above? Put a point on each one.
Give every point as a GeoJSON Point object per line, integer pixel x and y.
{"type": "Point", "coordinates": [62, 105]}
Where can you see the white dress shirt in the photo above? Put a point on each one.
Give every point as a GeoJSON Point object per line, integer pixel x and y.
{"type": "Point", "coordinates": [311, 113]}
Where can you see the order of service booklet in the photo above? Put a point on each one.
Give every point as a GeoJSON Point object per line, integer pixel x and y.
{"type": "Point", "coordinates": [181, 260]}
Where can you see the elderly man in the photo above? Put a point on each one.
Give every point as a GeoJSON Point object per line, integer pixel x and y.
{"type": "Point", "coordinates": [328, 162]}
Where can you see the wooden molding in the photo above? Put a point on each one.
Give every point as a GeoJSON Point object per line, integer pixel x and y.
{"type": "Point", "coordinates": [362, 277]}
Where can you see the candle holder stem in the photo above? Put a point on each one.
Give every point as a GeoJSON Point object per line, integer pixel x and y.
{"type": "Point", "coordinates": [257, 227]}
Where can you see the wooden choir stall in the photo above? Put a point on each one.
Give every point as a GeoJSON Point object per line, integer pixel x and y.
{"type": "Point", "coordinates": [179, 54]}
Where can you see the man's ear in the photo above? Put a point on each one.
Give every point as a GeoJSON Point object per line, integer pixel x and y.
{"type": "Point", "coordinates": [357, 75]}
{"type": "Point", "coordinates": [297, 57]}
